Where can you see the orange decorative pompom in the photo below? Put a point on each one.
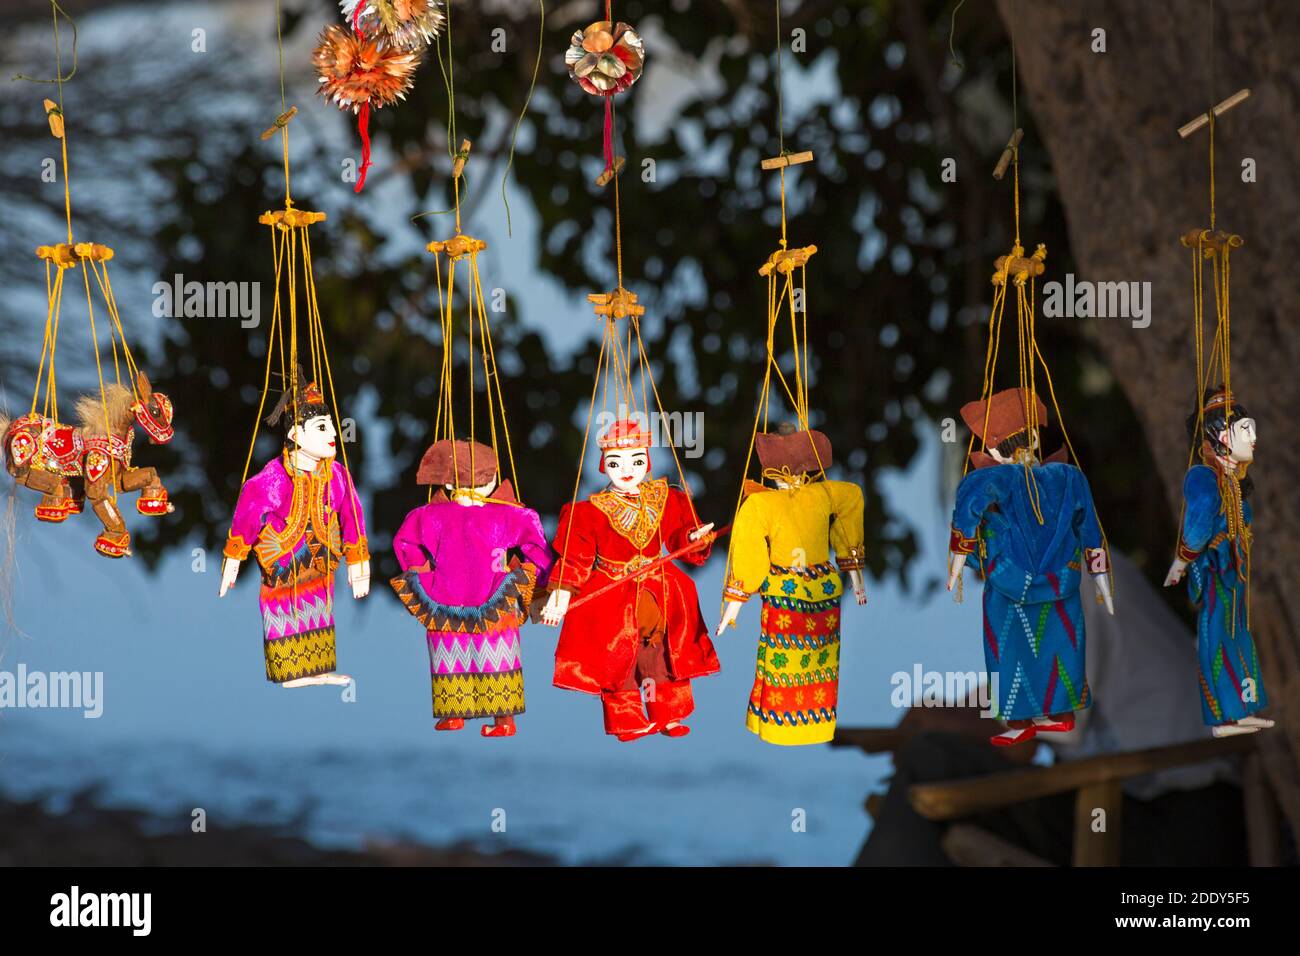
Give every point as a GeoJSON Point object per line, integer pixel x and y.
{"type": "Point", "coordinates": [405, 24]}
{"type": "Point", "coordinates": [355, 71]}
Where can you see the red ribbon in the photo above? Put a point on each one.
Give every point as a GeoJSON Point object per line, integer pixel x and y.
{"type": "Point", "coordinates": [363, 117]}
{"type": "Point", "coordinates": [609, 133]}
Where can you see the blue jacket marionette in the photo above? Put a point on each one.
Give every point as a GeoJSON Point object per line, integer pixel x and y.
{"type": "Point", "coordinates": [1033, 525]}
{"type": "Point", "coordinates": [1214, 555]}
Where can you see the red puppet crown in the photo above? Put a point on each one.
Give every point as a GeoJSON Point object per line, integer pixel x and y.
{"type": "Point", "coordinates": [625, 433]}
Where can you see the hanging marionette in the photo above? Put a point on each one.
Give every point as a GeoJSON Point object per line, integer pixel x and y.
{"type": "Point", "coordinates": [464, 580]}
{"type": "Point", "coordinates": [784, 530]}
{"type": "Point", "coordinates": [92, 460]}
{"type": "Point", "coordinates": [371, 63]}
{"type": "Point", "coordinates": [1215, 535]}
{"type": "Point", "coordinates": [631, 618]}
{"type": "Point", "coordinates": [1030, 521]}
{"type": "Point", "coordinates": [781, 545]}
{"type": "Point", "coordinates": [300, 517]}
{"type": "Point", "coordinates": [636, 624]}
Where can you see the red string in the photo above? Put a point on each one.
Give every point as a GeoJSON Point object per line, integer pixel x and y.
{"type": "Point", "coordinates": [609, 133]}
{"type": "Point", "coordinates": [363, 127]}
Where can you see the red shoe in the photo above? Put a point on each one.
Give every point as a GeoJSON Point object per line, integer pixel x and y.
{"type": "Point", "coordinates": [505, 728]}
{"type": "Point", "coordinates": [637, 734]}
{"type": "Point", "coordinates": [153, 504]}
{"type": "Point", "coordinates": [450, 723]}
{"type": "Point", "coordinates": [680, 730]}
{"type": "Point", "coordinates": [113, 545]}
{"type": "Point", "coordinates": [56, 510]}
{"type": "Point", "coordinates": [1015, 736]}
{"type": "Point", "coordinates": [1057, 726]}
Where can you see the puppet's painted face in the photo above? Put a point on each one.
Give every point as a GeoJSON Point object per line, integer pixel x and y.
{"type": "Point", "coordinates": [316, 437]}
{"type": "Point", "coordinates": [626, 467]}
{"type": "Point", "coordinates": [1240, 440]}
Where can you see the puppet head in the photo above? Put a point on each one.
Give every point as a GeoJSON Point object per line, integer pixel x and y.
{"type": "Point", "coordinates": [790, 455]}
{"type": "Point", "coordinates": [306, 420]}
{"type": "Point", "coordinates": [625, 454]}
{"type": "Point", "coordinates": [1227, 429]}
{"type": "Point", "coordinates": [153, 411]}
{"type": "Point", "coordinates": [467, 472]}
{"type": "Point", "coordinates": [1007, 435]}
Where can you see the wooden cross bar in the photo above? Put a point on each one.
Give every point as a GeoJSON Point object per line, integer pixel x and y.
{"type": "Point", "coordinates": [607, 175]}
{"type": "Point", "coordinates": [1008, 153]}
{"type": "Point", "coordinates": [290, 218]}
{"type": "Point", "coordinates": [458, 246]}
{"type": "Point", "coordinates": [786, 261]}
{"type": "Point", "coordinates": [789, 159]}
{"type": "Point", "coordinates": [1212, 241]}
{"type": "Point", "coordinates": [618, 304]}
{"type": "Point", "coordinates": [1191, 126]}
{"type": "Point", "coordinates": [462, 156]}
{"type": "Point", "coordinates": [65, 256]}
{"type": "Point", "coordinates": [280, 123]}
{"type": "Point", "coordinates": [1017, 267]}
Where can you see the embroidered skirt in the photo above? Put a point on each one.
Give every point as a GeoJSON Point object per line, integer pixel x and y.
{"type": "Point", "coordinates": [796, 684]}
{"type": "Point", "coordinates": [297, 604]}
{"type": "Point", "coordinates": [1232, 686]}
{"type": "Point", "coordinates": [475, 665]}
{"type": "Point", "coordinates": [1035, 650]}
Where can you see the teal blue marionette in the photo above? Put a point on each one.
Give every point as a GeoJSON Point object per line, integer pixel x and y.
{"type": "Point", "coordinates": [1214, 555]}
{"type": "Point", "coordinates": [1032, 525]}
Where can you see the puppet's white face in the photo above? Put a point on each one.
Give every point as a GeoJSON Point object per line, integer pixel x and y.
{"type": "Point", "coordinates": [1240, 440]}
{"type": "Point", "coordinates": [316, 437]}
{"type": "Point", "coordinates": [627, 467]}
{"type": "Point", "coordinates": [462, 497]}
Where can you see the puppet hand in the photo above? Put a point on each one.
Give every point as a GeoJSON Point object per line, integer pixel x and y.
{"type": "Point", "coordinates": [730, 611]}
{"type": "Point", "coordinates": [557, 605]}
{"type": "Point", "coordinates": [1176, 571]}
{"type": "Point", "coordinates": [859, 586]}
{"type": "Point", "coordinates": [701, 531]}
{"type": "Point", "coordinates": [359, 578]}
{"type": "Point", "coordinates": [1102, 581]}
{"type": "Point", "coordinates": [229, 571]}
{"type": "Point", "coordinates": [955, 563]}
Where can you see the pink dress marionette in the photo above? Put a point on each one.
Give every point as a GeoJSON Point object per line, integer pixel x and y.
{"type": "Point", "coordinates": [461, 581]}
{"type": "Point", "coordinates": [300, 517]}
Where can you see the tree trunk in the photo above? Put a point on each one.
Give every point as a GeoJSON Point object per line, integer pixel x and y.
{"type": "Point", "coordinates": [1131, 187]}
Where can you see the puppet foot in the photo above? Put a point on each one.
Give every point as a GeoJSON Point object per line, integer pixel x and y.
{"type": "Point", "coordinates": [1062, 726]}
{"type": "Point", "coordinates": [54, 510]}
{"type": "Point", "coordinates": [504, 727]}
{"type": "Point", "coordinates": [114, 544]}
{"type": "Point", "coordinates": [637, 734]}
{"type": "Point", "coordinates": [450, 723]}
{"type": "Point", "coordinates": [154, 503]}
{"type": "Point", "coordinates": [1016, 735]}
{"type": "Point", "coordinates": [1263, 723]}
{"type": "Point", "coordinates": [337, 680]}
{"type": "Point", "coordinates": [674, 729]}
{"type": "Point", "coordinates": [1232, 730]}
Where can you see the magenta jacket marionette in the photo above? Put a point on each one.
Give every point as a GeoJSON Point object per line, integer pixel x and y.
{"type": "Point", "coordinates": [300, 516]}
{"type": "Point", "coordinates": [464, 580]}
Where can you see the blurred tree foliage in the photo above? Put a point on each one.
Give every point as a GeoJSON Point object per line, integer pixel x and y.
{"type": "Point", "coordinates": [898, 292]}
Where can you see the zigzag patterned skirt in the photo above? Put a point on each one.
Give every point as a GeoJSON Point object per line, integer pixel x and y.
{"type": "Point", "coordinates": [475, 665]}
{"type": "Point", "coordinates": [297, 603]}
{"type": "Point", "coordinates": [796, 685]}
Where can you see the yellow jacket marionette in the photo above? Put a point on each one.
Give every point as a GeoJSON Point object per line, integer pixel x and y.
{"type": "Point", "coordinates": [781, 545]}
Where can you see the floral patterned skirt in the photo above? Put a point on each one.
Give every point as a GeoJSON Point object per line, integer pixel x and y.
{"type": "Point", "coordinates": [796, 684]}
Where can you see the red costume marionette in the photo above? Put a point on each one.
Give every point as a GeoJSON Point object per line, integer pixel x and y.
{"type": "Point", "coordinates": [646, 631]}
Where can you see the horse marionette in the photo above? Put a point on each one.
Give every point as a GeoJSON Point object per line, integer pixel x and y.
{"type": "Point", "coordinates": [48, 456]}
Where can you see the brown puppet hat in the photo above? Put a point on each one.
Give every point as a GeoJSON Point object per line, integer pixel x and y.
{"type": "Point", "coordinates": [448, 463]}
{"type": "Point", "coordinates": [803, 452]}
{"type": "Point", "coordinates": [1005, 413]}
